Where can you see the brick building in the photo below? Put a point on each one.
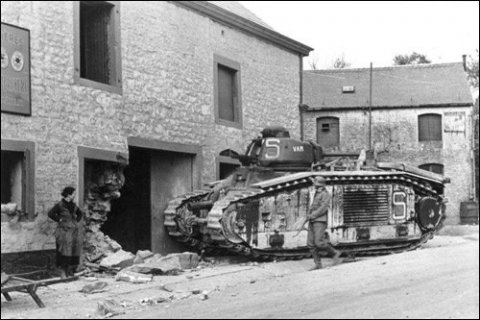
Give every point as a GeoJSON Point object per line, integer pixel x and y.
{"type": "Point", "coordinates": [421, 115]}
{"type": "Point", "coordinates": [163, 86]}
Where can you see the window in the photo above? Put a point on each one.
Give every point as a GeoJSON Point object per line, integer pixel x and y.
{"type": "Point", "coordinates": [430, 127]}
{"type": "Point", "coordinates": [226, 166]}
{"type": "Point", "coordinates": [228, 110]}
{"type": "Point", "coordinates": [328, 132]}
{"type": "Point", "coordinates": [433, 167]}
{"type": "Point", "coordinates": [17, 175]}
{"type": "Point", "coordinates": [97, 45]}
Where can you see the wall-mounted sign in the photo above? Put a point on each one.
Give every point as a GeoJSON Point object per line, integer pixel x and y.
{"type": "Point", "coordinates": [15, 70]}
{"type": "Point", "coordinates": [455, 122]}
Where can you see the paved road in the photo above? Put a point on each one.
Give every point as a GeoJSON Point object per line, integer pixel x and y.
{"type": "Point", "coordinates": [439, 281]}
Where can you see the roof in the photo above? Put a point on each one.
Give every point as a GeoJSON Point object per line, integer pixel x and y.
{"type": "Point", "coordinates": [398, 86]}
{"type": "Point", "coordinates": [241, 11]}
{"type": "Point", "coordinates": [233, 14]}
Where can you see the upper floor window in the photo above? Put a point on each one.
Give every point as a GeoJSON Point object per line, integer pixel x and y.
{"type": "Point", "coordinates": [228, 105]}
{"type": "Point", "coordinates": [430, 127]}
{"type": "Point", "coordinates": [328, 132]}
{"type": "Point", "coordinates": [97, 45]}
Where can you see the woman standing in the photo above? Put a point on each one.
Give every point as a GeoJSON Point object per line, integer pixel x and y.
{"type": "Point", "coordinates": [68, 234]}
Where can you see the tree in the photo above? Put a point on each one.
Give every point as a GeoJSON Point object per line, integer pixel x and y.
{"type": "Point", "coordinates": [472, 70]}
{"type": "Point", "coordinates": [340, 63]}
{"type": "Point", "coordinates": [414, 58]}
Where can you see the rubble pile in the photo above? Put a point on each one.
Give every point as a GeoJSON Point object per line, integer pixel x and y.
{"type": "Point", "coordinates": [105, 185]}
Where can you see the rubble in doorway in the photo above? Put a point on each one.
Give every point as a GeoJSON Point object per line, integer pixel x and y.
{"type": "Point", "coordinates": [106, 180]}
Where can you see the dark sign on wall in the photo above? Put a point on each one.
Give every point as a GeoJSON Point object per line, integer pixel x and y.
{"type": "Point", "coordinates": [15, 70]}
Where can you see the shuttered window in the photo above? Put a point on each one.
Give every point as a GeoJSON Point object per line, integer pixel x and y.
{"type": "Point", "coordinates": [328, 132]}
{"type": "Point", "coordinates": [228, 102]}
{"type": "Point", "coordinates": [226, 93]}
{"type": "Point", "coordinates": [430, 127]}
{"type": "Point", "coordinates": [97, 53]}
{"type": "Point", "coordinates": [95, 42]}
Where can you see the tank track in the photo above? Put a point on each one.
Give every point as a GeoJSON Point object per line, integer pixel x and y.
{"type": "Point", "coordinates": [222, 237]}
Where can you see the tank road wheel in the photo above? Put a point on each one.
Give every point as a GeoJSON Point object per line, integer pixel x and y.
{"type": "Point", "coordinates": [429, 213]}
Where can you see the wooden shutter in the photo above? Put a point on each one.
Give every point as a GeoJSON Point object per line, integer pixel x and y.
{"type": "Point", "coordinates": [430, 127]}
{"type": "Point", "coordinates": [226, 93]}
{"type": "Point", "coordinates": [95, 42]}
{"type": "Point", "coordinates": [328, 132]}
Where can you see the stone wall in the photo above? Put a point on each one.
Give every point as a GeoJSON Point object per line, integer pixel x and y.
{"type": "Point", "coordinates": [168, 92]}
{"type": "Point", "coordinates": [395, 137]}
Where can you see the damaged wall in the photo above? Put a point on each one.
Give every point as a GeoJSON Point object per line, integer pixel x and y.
{"type": "Point", "coordinates": [395, 137]}
{"type": "Point", "coordinates": [167, 63]}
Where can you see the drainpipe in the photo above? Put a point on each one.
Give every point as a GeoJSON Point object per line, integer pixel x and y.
{"type": "Point", "coordinates": [300, 56]}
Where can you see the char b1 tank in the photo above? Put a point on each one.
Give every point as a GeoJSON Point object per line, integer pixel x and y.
{"type": "Point", "coordinates": [259, 210]}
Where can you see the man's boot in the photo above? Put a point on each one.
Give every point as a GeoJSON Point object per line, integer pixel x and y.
{"type": "Point", "coordinates": [316, 267]}
{"type": "Point", "coordinates": [336, 258]}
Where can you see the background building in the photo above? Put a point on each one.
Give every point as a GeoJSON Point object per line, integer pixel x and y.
{"type": "Point", "coordinates": [421, 115]}
{"type": "Point", "coordinates": [160, 86]}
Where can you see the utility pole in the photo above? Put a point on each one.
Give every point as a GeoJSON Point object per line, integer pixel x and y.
{"type": "Point", "coordinates": [370, 110]}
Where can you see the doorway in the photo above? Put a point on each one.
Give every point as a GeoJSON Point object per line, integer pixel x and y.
{"type": "Point", "coordinates": [152, 178]}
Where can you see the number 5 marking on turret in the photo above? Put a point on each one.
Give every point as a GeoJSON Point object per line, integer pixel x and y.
{"type": "Point", "coordinates": [273, 148]}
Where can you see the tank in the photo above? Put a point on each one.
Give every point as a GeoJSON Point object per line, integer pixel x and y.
{"type": "Point", "coordinates": [260, 210]}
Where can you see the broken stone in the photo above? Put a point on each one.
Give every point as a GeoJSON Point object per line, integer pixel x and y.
{"type": "Point", "coordinates": [94, 287]}
{"type": "Point", "coordinates": [9, 208]}
{"type": "Point", "coordinates": [145, 254]}
{"type": "Point", "coordinates": [204, 295]}
{"type": "Point", "coordinates": [120, 259]}
{"type": "Point", "coordinates": [138, 260]}
{"type": "Point", "coordinates": [109, 306]}
{"type": "Point", "coordinates": [133, 277]}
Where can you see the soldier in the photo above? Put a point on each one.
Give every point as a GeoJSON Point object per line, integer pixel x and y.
{"type": "Point", "coordinates": [318, 219]}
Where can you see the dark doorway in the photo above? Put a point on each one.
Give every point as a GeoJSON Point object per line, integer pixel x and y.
{"type": "Point", "coordinates": [129, 221]}
{"type": "Point", "coordinates": [152, 179]}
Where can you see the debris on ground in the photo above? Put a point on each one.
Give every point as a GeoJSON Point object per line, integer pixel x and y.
{"type": "Point", "coordinates": [120, 259]}
{"type": "Point", "coordinates": [94, 287]}
{"type": "Point", "coordinates": [172, 264]}
{"type": "Point", "coordinates": [133, 277]}
{"type": "Point", "coordinates": [109, 307]}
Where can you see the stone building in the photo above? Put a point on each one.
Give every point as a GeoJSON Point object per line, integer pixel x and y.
{"type": "Point", "coordinates": [420, 114]}
{"type": "Point", "coordinates": [161, 86]}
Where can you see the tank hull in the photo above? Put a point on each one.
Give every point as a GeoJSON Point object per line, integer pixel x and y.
{"type": "Point", "coordinates": [371, 212]}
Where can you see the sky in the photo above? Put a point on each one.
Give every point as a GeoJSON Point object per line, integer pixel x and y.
{"type": "Point", "coordinates": [367, 31]}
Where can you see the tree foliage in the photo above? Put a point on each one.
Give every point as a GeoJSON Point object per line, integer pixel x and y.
{"type": "Point", "coordinates": [413, 58]}
{"type": "Point", "coordinates": [472, 70]}
{"type": "Point", "coordinates": [340, 63]}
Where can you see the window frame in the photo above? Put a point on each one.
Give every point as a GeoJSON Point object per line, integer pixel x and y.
{"type": "Point", "coordinates": [224, 160]}
{"type": "Point", "coordinates": [117, 87]}
{"type": "Point", "coordinates": [238, 113]}
{"type": "Point", "coordinates": [28, 148]}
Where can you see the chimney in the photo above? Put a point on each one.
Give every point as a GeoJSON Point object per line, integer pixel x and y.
{"type": "Point", "coordinates": [464, 57]}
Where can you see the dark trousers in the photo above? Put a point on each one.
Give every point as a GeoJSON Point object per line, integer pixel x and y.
{"type": "Point", "coordinates": [317, 242]}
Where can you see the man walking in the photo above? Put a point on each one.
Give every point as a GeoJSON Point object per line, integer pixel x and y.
{"type": "Point", "coordinates": [318, 219]}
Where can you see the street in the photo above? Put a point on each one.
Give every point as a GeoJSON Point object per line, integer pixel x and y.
{"type": "Point", "coordinates": [439, 280]}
